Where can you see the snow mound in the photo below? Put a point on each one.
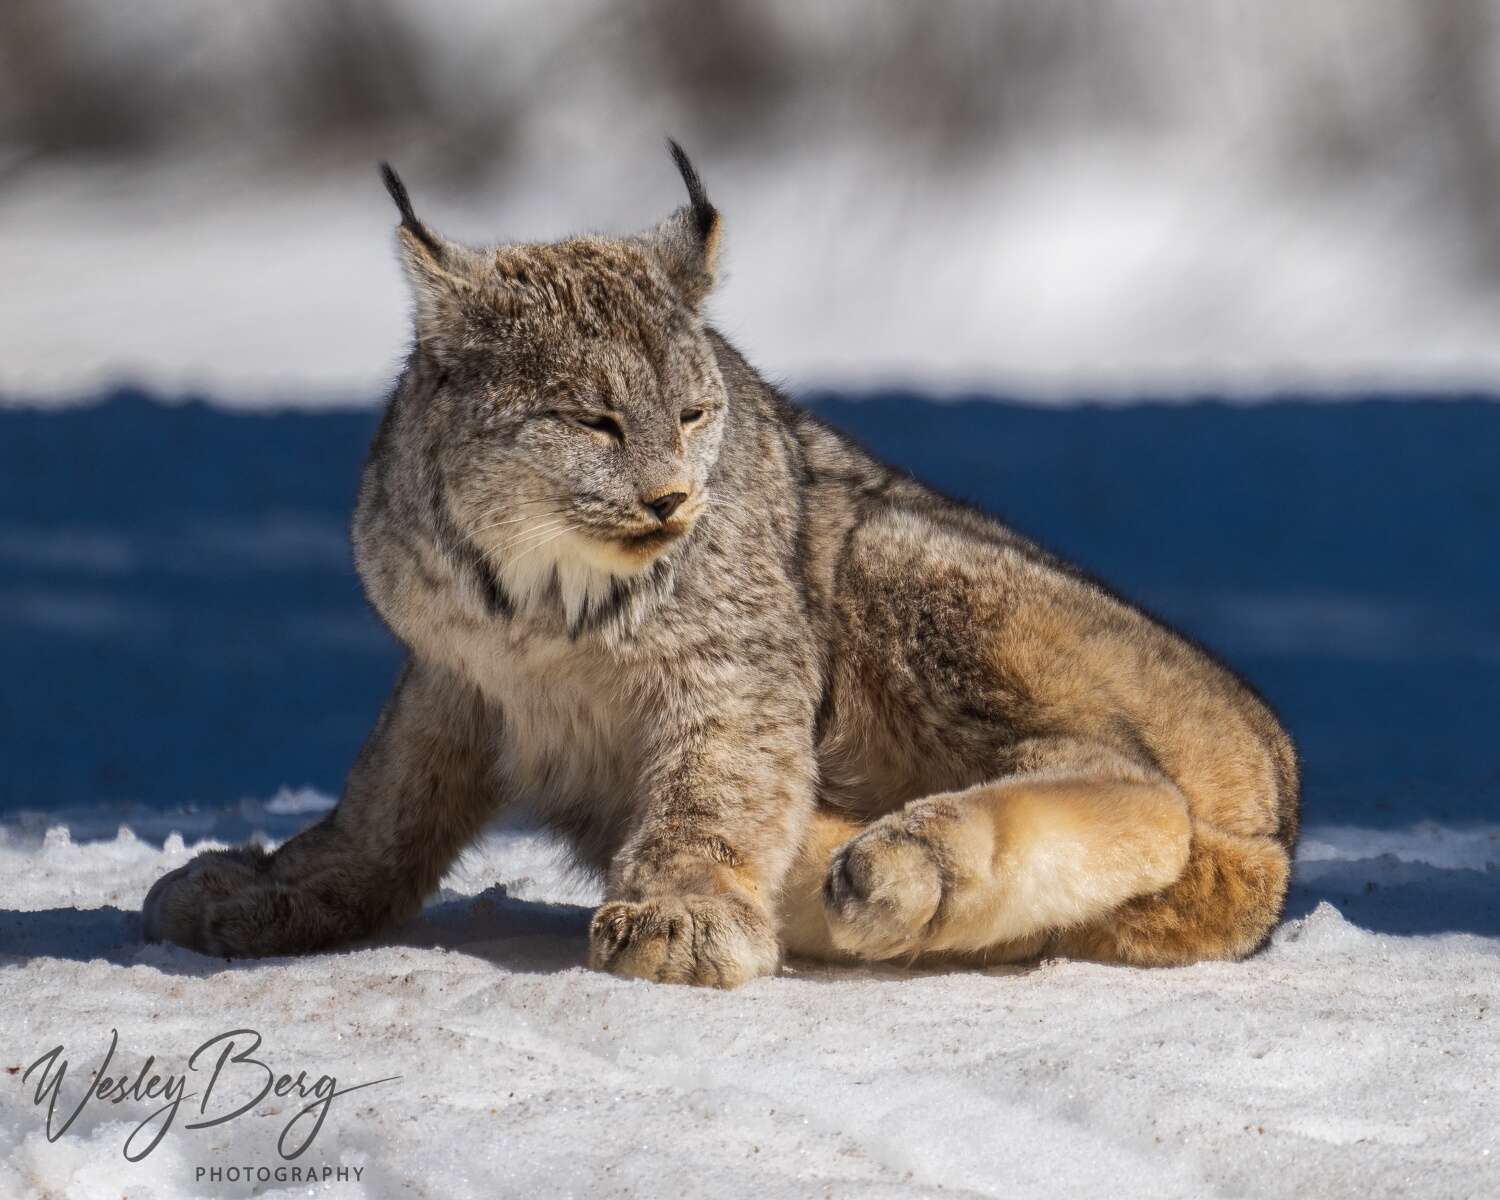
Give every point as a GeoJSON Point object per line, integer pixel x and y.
{"type": "Point", "coordinates": [1349, 1059]}
{"type": "Point", "coordinates": [1474, 848]}
{"type": "Point", "coordinates": [298, 801]}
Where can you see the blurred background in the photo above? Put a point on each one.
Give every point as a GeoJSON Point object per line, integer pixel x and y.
{"type": "Point", "coordinates": [1063, 197]}
{"type": "Point", "coordinates": [1203, 295]}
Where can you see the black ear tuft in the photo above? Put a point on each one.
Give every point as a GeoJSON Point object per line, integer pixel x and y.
{"type": "Point", "coordinates": [409, 220]}
{"type": "Point", "coordinates": [704, 214]}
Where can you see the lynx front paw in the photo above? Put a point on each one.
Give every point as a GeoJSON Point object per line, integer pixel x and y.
{"type": "Point", "coordinates": [884, 888]}
{"type": "Point", "coordinates": [712, 941]}
{"type": "Point", "coordinates": [221, 903]}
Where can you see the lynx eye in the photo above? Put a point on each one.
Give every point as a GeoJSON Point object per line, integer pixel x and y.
{"type": "Point", "coordinates": [599, 423]}
{"type": "Point", "coordinates": [691, 416]}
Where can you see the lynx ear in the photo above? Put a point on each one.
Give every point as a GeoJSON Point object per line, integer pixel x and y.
{"type": "Point", "coordinates": [687, 243]}
{"type": "Point", "coordinates": [449, 299]}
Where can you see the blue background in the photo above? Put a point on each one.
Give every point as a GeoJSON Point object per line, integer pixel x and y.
{"type": "Point", "coordinates": [181, 626]}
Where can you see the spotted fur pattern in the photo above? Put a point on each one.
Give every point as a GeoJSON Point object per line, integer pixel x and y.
{"type": "Point", "coordinates": [779, 696]}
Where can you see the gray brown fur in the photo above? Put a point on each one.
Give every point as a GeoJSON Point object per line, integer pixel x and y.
{"type": "Point", "coordinates": [817, 708]}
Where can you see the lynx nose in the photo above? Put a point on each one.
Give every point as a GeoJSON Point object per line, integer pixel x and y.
{"type": "Point", "coordinates": [665, 505]}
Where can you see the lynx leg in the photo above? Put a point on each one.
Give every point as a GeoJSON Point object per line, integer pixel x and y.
{"type": "Point", "coordinates": [1005, 862]}
{"type": "Point", "coordinates": [1223, 906]}
{"type": "Point", "coordinates": [804, 926]}
{"type": "Point", "coordinates": [689, 898]}
{"type": "Point", "coordinates": [419, 791]}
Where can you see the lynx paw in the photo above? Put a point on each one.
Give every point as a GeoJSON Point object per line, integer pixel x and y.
{"type": "Point", "coordinates": [221, 903]}
{"type": "Point", "coordinates": [884, 888]}
{"type": "Point", "coordinates": [712, 941]}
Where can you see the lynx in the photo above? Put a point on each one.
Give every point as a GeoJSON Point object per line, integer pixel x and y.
{"type": "Point", "coordinates": [782, 698]}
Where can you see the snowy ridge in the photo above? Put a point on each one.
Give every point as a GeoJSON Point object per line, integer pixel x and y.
{"type": "Point", "coordinates": [1269, 1078]}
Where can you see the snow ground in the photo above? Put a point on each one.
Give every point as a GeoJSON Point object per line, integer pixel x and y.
{"type": "Point", "coordinates": [1340, 1062]}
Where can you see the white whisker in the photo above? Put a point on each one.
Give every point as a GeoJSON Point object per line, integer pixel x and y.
{"type": "Point", "coordinates": [514, 521]}
{"type": "Point", "coordinates": [551, 538]}
{"type": "Point", "coordinates": [531, 533]}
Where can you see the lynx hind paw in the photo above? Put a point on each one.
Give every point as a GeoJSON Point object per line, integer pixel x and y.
{"type": "Point", "coordinates": [208, 904]}
{"type": "Point", "coordinates": [710, 941]}
{"type": "Point", "coordinates": [883, 891]}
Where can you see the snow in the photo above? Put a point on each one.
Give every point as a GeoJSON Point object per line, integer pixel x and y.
{"type": "Point", "coordinates": [1340, 1062]}
{"type": "Point", "coordinates": [1236, 203]}
{"type": "Point", "coordinates": [297, 801]}
{"type": "Point", "coordinates": [1104, 272]}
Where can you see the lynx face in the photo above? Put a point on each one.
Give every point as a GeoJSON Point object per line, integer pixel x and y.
{"type": "Point", "coordinates": [581, 401]}
{"type": "Point", "coordinates": [613, 450]}
{"type": "Point", "coordinates": [593, 412]}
